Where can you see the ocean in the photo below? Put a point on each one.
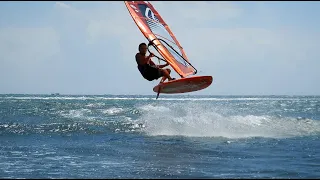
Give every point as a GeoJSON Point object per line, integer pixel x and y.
{"type": "Point", "coordinates": [136, 136]}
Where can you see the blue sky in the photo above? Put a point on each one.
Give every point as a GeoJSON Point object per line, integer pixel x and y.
{"type": "Point", "coordinates": [250, 48]}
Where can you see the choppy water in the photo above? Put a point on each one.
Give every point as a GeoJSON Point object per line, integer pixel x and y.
{"type": "Point", "coordinates": [43, 136]}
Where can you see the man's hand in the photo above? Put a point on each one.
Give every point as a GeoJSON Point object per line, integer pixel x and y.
{"type": "Point", "coordinates": [151, 55]}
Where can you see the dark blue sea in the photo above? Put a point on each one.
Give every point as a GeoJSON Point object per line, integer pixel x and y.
{"type": "Point", "coordinates": [131, 136]}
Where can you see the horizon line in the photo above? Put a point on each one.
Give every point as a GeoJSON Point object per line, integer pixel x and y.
{"type": "Point", "coordinates": [178, 94]}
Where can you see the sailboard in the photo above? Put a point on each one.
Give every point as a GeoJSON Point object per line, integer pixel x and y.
{"type": "Point", "coordinates": [159, 35]}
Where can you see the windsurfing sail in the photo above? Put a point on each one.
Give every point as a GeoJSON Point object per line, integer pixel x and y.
{"type": "Point", "coordinates": [158, 32]}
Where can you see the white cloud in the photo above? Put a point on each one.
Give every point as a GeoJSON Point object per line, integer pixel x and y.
{"type": "Point", "coordinates": [63, 5]}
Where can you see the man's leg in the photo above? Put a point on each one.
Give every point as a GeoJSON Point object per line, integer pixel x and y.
{"type": "Point", "coordinates": [166, 74]}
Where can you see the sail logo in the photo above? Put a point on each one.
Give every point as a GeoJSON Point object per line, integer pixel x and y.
{"type": "Point", "coordinates": [153, 17]}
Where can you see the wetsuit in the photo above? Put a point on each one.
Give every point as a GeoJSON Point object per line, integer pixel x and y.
{"type": "Point", "coordinates": [149, 72]}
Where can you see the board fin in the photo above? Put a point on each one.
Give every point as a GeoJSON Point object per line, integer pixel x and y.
{"type": "Point", "coordinates": [158, 93]}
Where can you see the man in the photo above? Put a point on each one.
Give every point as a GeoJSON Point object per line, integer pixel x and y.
{"type": "Point", "coordinates": [148, 69]}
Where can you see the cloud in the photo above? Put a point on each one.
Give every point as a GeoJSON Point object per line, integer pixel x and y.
{"type": "Point", "coordinates": [63, 5]}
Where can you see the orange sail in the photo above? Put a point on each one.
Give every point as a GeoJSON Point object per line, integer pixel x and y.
{"type": "Point", "coordinates": [157, 31]}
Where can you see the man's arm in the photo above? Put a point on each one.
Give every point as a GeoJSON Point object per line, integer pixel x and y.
{"type": "Point", "coordinates": [164, 65]}
{"type": "Point", "coordinates": [142, 59]}
{"type": "Point", "coordinates": [151, 62]}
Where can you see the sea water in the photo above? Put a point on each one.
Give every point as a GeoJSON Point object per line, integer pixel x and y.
{"type": "Point", "coordinates": [135, 136]}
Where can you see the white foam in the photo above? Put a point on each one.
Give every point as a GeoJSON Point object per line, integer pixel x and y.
{"type": "Point", "coordinates": [150, 107]}
{"type": "Point", "coordinates": [200, 121]}
{"type": "Point", "coordinates": [95, 105]}
{"type": "Point", "coordinates": [78, 113]}
{"type": "Point", "coordinates": [112, 111]}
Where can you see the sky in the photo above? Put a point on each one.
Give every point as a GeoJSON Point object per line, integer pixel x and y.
{"type": "Point", "coordinates": [88, 48]}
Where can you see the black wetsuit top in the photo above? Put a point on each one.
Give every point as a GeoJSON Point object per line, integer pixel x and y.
{"type": "Point", "coordinates": [149, 72]}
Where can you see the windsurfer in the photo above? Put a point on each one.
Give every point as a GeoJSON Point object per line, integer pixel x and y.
{"type": "Point", "coordinates": [147, 67]}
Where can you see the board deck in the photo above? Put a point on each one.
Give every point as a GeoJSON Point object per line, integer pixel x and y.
{"type": "Point", "coordinates": [184, 85]}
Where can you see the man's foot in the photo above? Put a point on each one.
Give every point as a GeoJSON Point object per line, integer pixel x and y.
{"type": "Point", "coordinates": [172, 79]}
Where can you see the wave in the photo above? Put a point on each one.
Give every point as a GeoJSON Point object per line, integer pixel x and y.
{"type": "Point", "coordinates": [197, 119]}
{"type": "Point", "coordinates": [200, 121]}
